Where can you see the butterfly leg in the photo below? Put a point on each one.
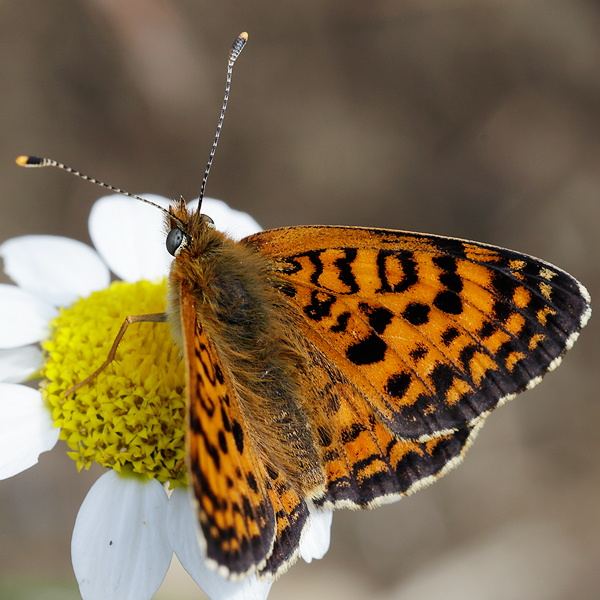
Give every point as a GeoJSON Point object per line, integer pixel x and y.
{"type": "Point", "coordinates": [149, 318]}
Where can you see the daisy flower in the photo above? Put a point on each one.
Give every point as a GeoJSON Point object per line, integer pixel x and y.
{"type": "Point", "coordinates": [128, 525]}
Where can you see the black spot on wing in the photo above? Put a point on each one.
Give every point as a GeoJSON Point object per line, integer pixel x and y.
{"type": "Point", "coordinates": [238, 436]}
{"type": "Point", "coordinates": [320, 305]}
{"type": "Point", "coordinates": [397, 385]}
{"type": "Point", "coordinates": [419, 352]}
{"type": "Point", "coordinates": [222, 442]}
{"type": "Point", "coordinates": [448, 302]}
{"type": "Point", "coordinates": [287, 289]}
{"type": "Point", "coordinates": [442, 376]}
{"type": "Point", "coordinates": [450, 335]}
{"type": "Point", "coordinates": [345, 270]}
{"type": "Point", "coordinates": [213, 453]}
{"type": "Point", "coordinates": [449, 247]}
{"type": "Point", "coordinates": [252, 482]}
{"type": "Point", "coordinates": [368, 351]}
{"type": "Point", "coordinates": [397, 271]}
{"type": "Point", "coordinates": [449, 278]}
{"type": "Point", "coordinates": [225, 418]}
{"type": "Point", "coordinates": [466, 354]}
{"type": "Point", "coordinates": [379, 317]}
{"type": "Point", "coordinates": [349, 434]}
{"type": "Point", "coordinates": [219, 373]}
{"type": "Point", "coordinates": [342, 323]}
{"type": "Point", "coordinates": [501, 311]}
{"type": "Point", "coordinates": [315, 258]}
{"type": "Point", "coordinates": [416, 313]}
{"type": "Point", "coordinates": [487, 330]}
{"type": "Point", "coordinates": [504, 285]}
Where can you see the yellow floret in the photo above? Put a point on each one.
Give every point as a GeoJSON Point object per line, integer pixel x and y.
{"type": "Point", "coordinates": [132, 416]}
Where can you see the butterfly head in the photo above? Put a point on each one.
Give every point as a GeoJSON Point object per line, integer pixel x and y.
{"type": "Point", "coordinates": [186, 229]}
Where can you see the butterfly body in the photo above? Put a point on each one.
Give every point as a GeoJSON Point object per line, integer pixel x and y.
{"type": "Point", "coordinates": [345, 367]}
{"type": "Point", "coordinates": [254, 332]}
{"type": "Point", "coordinates": [221, 292]}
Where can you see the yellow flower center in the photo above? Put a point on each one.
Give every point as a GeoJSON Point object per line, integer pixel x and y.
{"type": "Point", "coordinates": [131, 417]}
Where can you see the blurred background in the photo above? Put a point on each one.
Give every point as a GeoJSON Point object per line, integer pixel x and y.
{"type": "Point", "coordinates": [470, 118]}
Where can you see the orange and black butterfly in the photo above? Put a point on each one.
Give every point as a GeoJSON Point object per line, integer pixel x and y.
{"type": "Point", "coordinates": [344, 366]}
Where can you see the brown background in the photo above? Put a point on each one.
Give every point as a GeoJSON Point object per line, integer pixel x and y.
{"type": "Point", "coordinates": [470, 118]}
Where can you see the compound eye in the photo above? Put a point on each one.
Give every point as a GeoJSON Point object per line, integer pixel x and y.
{"type": "Point", "coordinates": [176, 240]}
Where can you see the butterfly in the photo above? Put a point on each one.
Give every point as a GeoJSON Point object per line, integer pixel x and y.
{"type": "Point", "coordinates": [342, 366]}
{"type": "Point", "coordinates": [345, 366]}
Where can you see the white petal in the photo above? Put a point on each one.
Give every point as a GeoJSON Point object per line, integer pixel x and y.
{"type": "Point", "coordinates": [235, 223]}
{"type": "Point", "coordinates": [18, 364]}
{"type": "Point", "coordinates": [120, 548]}
{"type": "Point", "coordinates": [130, 236]}
{"type": "Point", "coordinates": [315, 541]}
{"type": "Point", "coordinates": [24, 317]}
{"type": "Point", "coordinates": [182, 525]}
{"type": "Point", "coordinates": [26, 428]}
{"type": "Point", "coordinates": [58, 269]}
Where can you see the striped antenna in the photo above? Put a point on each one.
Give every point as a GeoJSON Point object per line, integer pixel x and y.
{"type": "Point", "coordinates": [36, 161]}
{"type": "Point", "coordinates": [237, 47]}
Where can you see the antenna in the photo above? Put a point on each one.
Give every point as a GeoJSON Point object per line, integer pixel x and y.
{"type": "Point", "coordinates": [36, 161]}
{"type": "Point", "coordinates": [237, 47]}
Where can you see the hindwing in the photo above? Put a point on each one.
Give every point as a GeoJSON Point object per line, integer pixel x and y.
{"type": "Point", "coordinates": [367, 464]}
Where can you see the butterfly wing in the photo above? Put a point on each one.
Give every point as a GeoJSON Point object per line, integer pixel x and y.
{"type": "Point", "coordinates": [292, 514]}
{"type": "Point", "coordinates": [426, 334]}
{"type": "Point", "coordinates": [365, 462]}
{"type": "Point", "coordinates": [235, 513]}
{"type": "Point", "coordinates": [250, 516]}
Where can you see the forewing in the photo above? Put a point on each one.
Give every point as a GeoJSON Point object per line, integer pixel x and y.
{"type": "Point", "coordinates": [228, 478]}
{"type": "Point", "coordinates": [434, 331]}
